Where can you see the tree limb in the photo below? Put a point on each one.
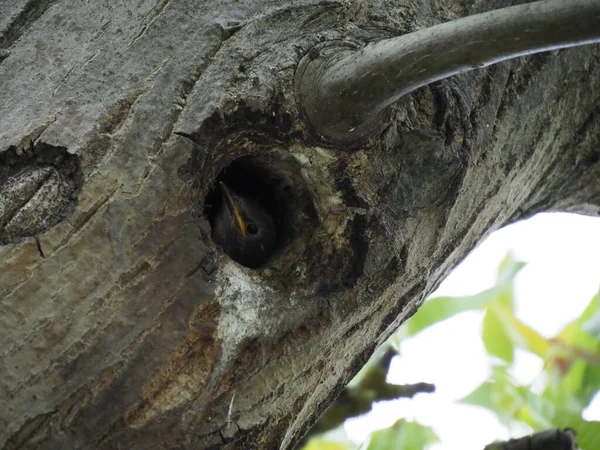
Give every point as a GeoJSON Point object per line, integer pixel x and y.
{"type": "Point", "coordinates": [343, 90]}
{"type": "Point", "coordinates": [553, 439]}
{"type": "Point", "coordinates": [357, 400]}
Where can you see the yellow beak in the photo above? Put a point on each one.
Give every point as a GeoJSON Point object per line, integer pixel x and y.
{"type": "Point", "coordinates": [234, 209]}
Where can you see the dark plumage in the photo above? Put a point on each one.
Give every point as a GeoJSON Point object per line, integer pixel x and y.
{"type": "Point", "coordinates": [243, 229]}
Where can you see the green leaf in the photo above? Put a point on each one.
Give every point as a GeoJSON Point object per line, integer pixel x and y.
{"type": "Point", "coordinates": [508, 270]}
{"type": "Point", "coordinates": [537, 411]}
{"type": "Point", "coordinates": [438, 309]}
{"type": "Point", "coordinates": [585, 330]}
{"type": "Point", "coordinates": [509, 402]}
{"type": "Point", "coordinates": [577, 351]}
{"type": "Point", "coordinates": [402, 435]}
{"type": "Point", "coordinates": [492, 396]}
{"type": "Point", "coordinates": [482, 396]}
{"type": "Point", "coordinates": [578, 386]}
{"type": "Point", "coordinates": [573, 381]}
{"type": "Point", "coordinates": [521, 335]}
{"type": "Point", "coordinates": [548, 414]}
{"type": "Point", "coordinates": [495, 339]}
{"type": "Point", "coordinates": [591, 317]}
{"type": "Point", "coordinates": [319, 443]}
{"type": "Point", "coordinates": [590, 385]}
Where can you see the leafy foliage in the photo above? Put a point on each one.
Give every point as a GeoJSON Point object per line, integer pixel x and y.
{"type": "Point", "coordinates": [571, 370]}
{"type": "Point", "coordinates": [401, 436]}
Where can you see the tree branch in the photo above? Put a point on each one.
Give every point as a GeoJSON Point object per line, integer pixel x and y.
{"type": "Point", "coordinates": [357, 400]}
{"type": "Point", "coordinates": [553, 439]}
{"type": "Point", "coordinates": [342, 90]}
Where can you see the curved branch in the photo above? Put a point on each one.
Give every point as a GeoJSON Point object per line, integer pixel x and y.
{"type": "Point", "coordinates": [342, 90]}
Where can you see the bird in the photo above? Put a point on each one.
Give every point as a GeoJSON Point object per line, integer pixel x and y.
{"type": "Point", "coordinates": [243, 228]}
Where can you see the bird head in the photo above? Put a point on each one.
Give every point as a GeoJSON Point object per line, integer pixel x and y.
{"type": "Point", "coordinates": [243, 228]}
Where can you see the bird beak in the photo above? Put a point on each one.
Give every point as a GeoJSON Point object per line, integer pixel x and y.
{"type": "Point", "coordinates": [233, 208]}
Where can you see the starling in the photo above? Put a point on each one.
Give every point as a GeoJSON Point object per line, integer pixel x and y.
{"type": "Point", "coordinates": [244, 229]}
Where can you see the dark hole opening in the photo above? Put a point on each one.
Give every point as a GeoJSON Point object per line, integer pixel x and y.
{"type": "Point", "coordinates": [254, 178]}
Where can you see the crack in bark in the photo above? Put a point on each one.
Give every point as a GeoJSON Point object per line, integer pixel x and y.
{"type": "Point", "coordinates": [85, 218]}
{"type": "Point", "coordinates": [520, 78]}
{"type": "Point", "coordinates": [587, 125]}
{"type": "Point", "coordinates": [187, 86]}
{"type": "Point", "coordinates": [154, 14]}
{"type": "Point", "coordinates": [28, 431]}
{"type": "Point", "coordinates": [64, 80]}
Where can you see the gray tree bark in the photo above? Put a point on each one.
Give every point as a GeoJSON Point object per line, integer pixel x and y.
{"type": "Point", "coordinates": [124, 326]}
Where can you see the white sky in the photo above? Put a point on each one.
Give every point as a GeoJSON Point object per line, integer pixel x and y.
{"type": "Point", "coordinates": [562, 252]}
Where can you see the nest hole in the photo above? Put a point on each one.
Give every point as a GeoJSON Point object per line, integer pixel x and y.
{"type": "Point", "coordinates": [269, 182]}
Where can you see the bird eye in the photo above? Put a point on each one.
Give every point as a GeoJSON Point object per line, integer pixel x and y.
{"type": "Point", "coordinates": [251, 228]}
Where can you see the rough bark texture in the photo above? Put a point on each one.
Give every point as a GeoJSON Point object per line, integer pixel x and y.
{"type": "Point", "coordinates": [134, 331]}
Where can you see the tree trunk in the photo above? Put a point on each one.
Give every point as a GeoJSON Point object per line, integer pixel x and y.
{"type": "Point", "coordinates": [124, 326]}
